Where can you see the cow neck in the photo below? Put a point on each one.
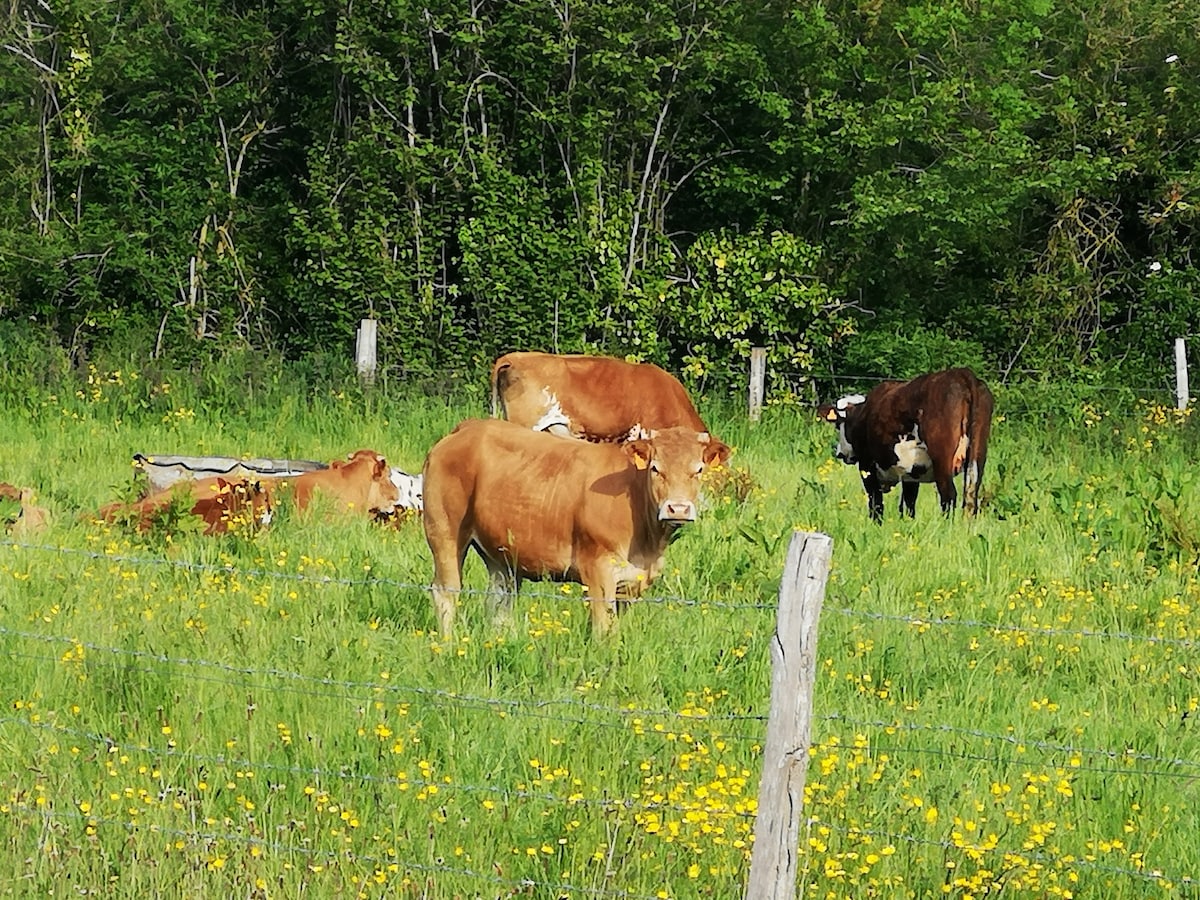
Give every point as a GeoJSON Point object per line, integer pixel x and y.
{"type": "Point", "coordinates": [650, 534]}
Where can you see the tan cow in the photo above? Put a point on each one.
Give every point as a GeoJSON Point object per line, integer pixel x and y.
{"type": "Point", "coordinates": [218, 502]}
{"type": "Point", "coordinates": [597, 398]}
{"type": "Point", "coordinates": [363, 483]}
{"type": "Point", "coordinates": [542, 506]}
{"type": "Point", "coordinates": [32, 519]}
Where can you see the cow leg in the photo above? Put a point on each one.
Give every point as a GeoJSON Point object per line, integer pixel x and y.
{"type": "Point", "coordinates": [874, 495]}
{"type": "Point", "coordinates": [908, 498]}
{"type": "Point", "coordinates": [972, 476]}
{"type": "Point", "coordinates": [943, 477]}
{"type": "Point", "coordinates": [448, 555]}
{"type": "Point", "coordinates": [504, 586]}
{"type": "Point", "coordinates": [602, 600]}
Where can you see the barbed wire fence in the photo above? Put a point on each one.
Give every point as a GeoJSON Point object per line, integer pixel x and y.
{"type": "Point", "coordinates": [979, 746]}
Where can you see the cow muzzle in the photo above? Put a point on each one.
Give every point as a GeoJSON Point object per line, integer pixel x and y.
{"type": "Point", "coordinates": [677, 511]}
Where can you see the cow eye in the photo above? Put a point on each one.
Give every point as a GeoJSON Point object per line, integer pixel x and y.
{"type": "Point", "coordinates": [654, 466]}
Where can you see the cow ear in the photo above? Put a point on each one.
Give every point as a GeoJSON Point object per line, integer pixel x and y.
{"type": "Point", "coordinates": [715, 452]}
{"type": "Point", "coordinates": [639, 453]}
{"type": "Point", "coordinates": [381, 467]}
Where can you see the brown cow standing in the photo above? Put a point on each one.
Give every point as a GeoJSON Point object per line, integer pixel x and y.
{"type": "Point", "coordinates": [913, 432]}
{"type": "Point", "coordinates": [542, 506]}
{"type": "Point", "coordinates": [597, 398]}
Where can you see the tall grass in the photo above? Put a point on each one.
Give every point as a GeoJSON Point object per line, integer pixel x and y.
{"type": "Point", "coordinates": [1006, 704]}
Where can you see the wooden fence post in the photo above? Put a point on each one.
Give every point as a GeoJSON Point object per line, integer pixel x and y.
{"type": "Point", "coordinates": [758, 376]}
{"type": "Point", "coordinates": [364, 351]}
{"type": "Point", "coordinates": [1181, 374]}
{"type": "Point", "coordinates": [774, 859]}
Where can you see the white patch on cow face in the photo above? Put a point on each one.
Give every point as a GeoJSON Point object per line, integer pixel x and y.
{"type": "Point", "coordinates": [553, 419]}
{"type": "Point", "coordinates": [411, 489]}
{"type": "Point", "coordinates": [844, 450]}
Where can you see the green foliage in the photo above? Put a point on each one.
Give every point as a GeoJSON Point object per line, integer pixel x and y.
{"type": "Point", "coordinates": [517, 260]}
{"type": "Point", "coordinates": [186, 179]}
{"type": "Point", "coordinates": [906, 352]}
{"type": "Point", "coordinates": [757, 290]}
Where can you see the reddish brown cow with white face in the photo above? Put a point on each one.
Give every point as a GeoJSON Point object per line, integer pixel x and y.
{"type": "Point", "coordinates": [541, 506]}
{"type": "Point", "coordinates": [218, 502]}
{"type": "Point", "coordinates": [914, 432]}
{"type": "Point", "coordinates": [597, 398]}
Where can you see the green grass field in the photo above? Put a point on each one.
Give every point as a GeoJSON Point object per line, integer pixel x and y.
{"type": "Point", "coordinates": [1005, 705]}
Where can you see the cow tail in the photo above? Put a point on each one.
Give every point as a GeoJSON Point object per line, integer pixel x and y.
{"type": "Point", "coordinates": [500, 379]}
{"type": "Point", "coordinates": [979, 429]}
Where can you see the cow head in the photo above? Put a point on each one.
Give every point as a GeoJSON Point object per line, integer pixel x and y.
{"type": "Point", "coordinates": [673, 460]}
{"type": "Point", "coordinates": [839, 414]}
{"type": "Point", "coordinates": [383, 493]}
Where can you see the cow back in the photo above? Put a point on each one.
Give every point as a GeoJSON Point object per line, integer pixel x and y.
{"type": "Point", "coordinates": [511, 487]}
{"type": "Point", "coordinates": [597, 398]}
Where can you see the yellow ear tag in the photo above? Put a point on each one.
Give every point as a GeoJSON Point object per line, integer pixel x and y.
{"type": "Point", "coordinates": [831, 416]}
{"type": "Point", "coordinates": [640, 461]}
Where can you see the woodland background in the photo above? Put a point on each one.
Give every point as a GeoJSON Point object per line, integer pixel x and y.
{"type": "Point", "coordinates": [870, 186]}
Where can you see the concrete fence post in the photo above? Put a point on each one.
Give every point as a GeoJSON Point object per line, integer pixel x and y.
{"type": "Point", "coordinates": [758, 377]}
{"type": "Point", "coordinates": [364, 351]}
{"type": "Point", "coordinates": [1181, 374]}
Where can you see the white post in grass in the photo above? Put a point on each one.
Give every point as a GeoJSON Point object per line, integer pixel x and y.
{"type": "Point", "coordinates": [364, 351]}
{"type": "Point", "coordinates": [1181, 374]}
{"type": "Point", "coordinates": [758, 376]}
{"type": "Point", "coordinates": [774, 860]}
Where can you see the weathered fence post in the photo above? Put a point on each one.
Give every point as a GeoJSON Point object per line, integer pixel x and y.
{"type": "Point", "coordinates": [364, 351]}
{"type": "Point", "coordinates": [774, 859]}
{"type": "Point", "coordinates": [758, 376]}
{"type": "Point", "coordinates": [1181, 374]}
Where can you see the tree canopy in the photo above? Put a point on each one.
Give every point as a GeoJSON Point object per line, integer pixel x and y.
{"type": "Point", "coordinates": [874, 185]}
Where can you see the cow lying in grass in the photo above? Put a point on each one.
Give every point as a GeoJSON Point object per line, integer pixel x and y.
{"type": "Point", "coordinates": [30, 519]}
{"type": "Point", "coordinates": [361, 484]}
{"type": "Point", "coordinates": [220, 503]}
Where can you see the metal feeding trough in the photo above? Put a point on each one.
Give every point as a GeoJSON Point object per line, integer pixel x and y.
{"type": "Point", "coordinates": [164, 471]}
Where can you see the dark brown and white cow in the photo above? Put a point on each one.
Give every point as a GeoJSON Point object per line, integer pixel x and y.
{"type": "Point", "coordinates": [915, 432]}
{"type": "Point", "coordinates": [541, 506]}
{"type": "Point", "coordinates": [597, 398]}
